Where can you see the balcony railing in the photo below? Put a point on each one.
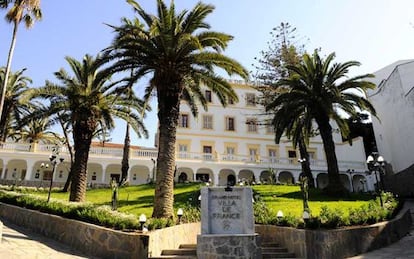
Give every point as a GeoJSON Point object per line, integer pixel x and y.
{"type": "Point", "coordinates": [183, 156]}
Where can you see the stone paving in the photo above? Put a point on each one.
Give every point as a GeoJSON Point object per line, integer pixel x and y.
{"type": "Point", "coordinates": [18, 243]}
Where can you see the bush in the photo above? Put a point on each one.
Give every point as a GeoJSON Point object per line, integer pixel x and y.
{"type": "Point", "coordinates": [102, 215]}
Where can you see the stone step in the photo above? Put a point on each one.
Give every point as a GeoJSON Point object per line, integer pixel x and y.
{"type": "Point", "coordinates": [183, 251]}
{"type": "Point", "coordinates": [274, 250]}
{"type": "Point", "coordinates": [173, 257]}
{"type": "Point", "coordinates": [188, 246]}
{"type": "Point", "coordinates": [278, 255]}
{"type": "Point", "coordinates": [270, 244]}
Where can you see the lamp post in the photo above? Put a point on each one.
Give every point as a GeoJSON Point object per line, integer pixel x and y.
{"type": "Point", "coordinates": [375, 164]}
{"type": "Point", "coordinates": [153, 169]}
{"type": "Point", "coordinates": [53, 161]}
{"type": "Point", "coordinates": [180, 213]}
{"type": "Point", "coordinates": [142, 219]}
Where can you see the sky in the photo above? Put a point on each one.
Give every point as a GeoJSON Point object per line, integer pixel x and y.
{"type": "Point", "coordinates": [373, 32]}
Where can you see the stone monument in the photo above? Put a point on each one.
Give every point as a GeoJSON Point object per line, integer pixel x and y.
{"type": "Point", "coordinates": [227, 224]}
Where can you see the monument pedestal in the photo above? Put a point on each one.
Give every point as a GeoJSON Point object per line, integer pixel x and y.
{"type": "Point", "coordinates": [227, 224]}
{"type": "Point", "coordinates": [236, 246]}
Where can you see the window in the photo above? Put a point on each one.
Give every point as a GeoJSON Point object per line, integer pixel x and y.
{"type": "Point", "coordinates": [208, 150]}
{"type": "Point", "coordinates": [253, 154]}
{"type": "Point", "coordinates": [230, 153]}
{"type": "Point", "coordinates": [251, 125]}
{"type": "Point", "coordinates": [208, 96]}
{"type": "Point", "coordinates": [207, 122]}
{"type": "Point", "coordinates": [182, 151]}
{"type": "Point", "coordinates": [292, 154]}
{"type": "Point", "coordinates": [183, 121]}
{"type": "Point", "coordinates": [250, 99]}
{"type": "Point", "coordinates": [272, 155]}
{"type": "Point", "coordinates": [270, 129]}
{"type": "Point", "coordinates": [230, 123]}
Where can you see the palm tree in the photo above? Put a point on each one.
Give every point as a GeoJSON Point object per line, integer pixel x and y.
{"type": "Point", "coordinates": [180, 53]}
{"type": "Point", "coordinates": [22, 10]}
{"type": "Point", "coordinates": [36, 130]}
{"type": "Point", "coordinates": [14, 106]}
{"type": "Point", "coordinates": [318, 90]}
{"type": "Point", "coordinates": [90, 99]}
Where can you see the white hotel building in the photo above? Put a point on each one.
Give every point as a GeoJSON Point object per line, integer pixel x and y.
{"type": "Point", "coordinates": [221, 145]}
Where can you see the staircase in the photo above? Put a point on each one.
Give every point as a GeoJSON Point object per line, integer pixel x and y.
{"type": "Point", "coordinates": [189, 251]}
{"type": "Point", "coordinates": [272, 250]}
{"type": "Point", "coordinates": [186, 251]}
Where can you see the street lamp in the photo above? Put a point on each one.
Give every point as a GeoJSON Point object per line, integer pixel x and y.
{"type": "Point", "coordinates": [142, 219]}
{"type": "Point", "coordinates": [53, 161]}
{"type": "Point", "coordinates": [375, 164]}
{"type": "Point", "coordinates": [180, 213]}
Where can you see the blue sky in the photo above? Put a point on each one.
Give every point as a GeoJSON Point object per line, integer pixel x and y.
{"type": "Point", "coordinates": [373, 32]}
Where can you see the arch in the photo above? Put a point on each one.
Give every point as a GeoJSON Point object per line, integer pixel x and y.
{"type": "Point", "coordinates": [322, 180]}
{"type": "Point", "coordinates": [205, 175]}
{"type": "Point", "coordinates": [95, 173]}
{"type": "Point", "coordinates": [184, 174]}
{"type": "Point", "coordinates": [112, 171]}
{"type": "Point", "coordinates": [359, 183]}
{"type": "Point", "coordinates": [225, 178]}
{"type": "Point", "coordinates": [266, 176]}
{"type": "Point", "coordinates": [286, 177]}
{"type": "Point", "coordinates": [246, 176]}
{"type": "Point", "coordinates": [16, 169]}
{"type": "Point", "coordinates": [139, 174]}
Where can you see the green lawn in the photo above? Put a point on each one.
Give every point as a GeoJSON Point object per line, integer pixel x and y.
{"type": "Point", "coordinates": [139, 199]}
{"type": "Point", "coordinates": [289, 199]}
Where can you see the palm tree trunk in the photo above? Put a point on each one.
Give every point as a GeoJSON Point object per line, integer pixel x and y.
{"type": "Point", "coordinates": [335, 186]}
{"type": "Point", "coordinates": [70, 149]}
{"type": "Point", "coordinates": [168, 112]}
{"type": "Point", "coordinates": [82, 138]}
{"type": "Point", "coordinates": [306, 163]}
{"type": "Point", "coordinates": [125, 156]}
{"type": "Point", "coordinates": [8, 68]}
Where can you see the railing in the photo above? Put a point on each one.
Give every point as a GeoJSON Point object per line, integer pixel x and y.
{"type": "Point", "coordinates": [184, 156]}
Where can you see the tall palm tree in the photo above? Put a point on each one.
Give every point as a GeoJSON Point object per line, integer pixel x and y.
{"type": "Point", "coordinates": [318, 90]}
{"type": "Point", "coordinates": [26, 11]}
{"type": "Point", "coordinates": [14, 106]}
{"type": "Point", "coordinates": [89, 98]}
{"type": "Point", "coordinates": [180, 53]}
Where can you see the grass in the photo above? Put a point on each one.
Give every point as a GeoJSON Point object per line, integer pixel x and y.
{"type": "Point", "coordinates": [288, 199]}
{"type": "Point", "coordinates": [138, 199]}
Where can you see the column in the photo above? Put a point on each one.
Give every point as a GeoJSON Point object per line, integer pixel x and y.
{"type": "Point", "coordinates": [30, 169]}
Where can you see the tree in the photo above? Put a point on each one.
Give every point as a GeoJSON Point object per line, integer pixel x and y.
{"type": "Point", "coordinates": [14, 106]}
{"type": "Point", "coordinates": [180, 53]}
{"type": "Point", "coordinates": [283, 50]}
{"type": "Point", "coordinates": [89, 98]}
{"type": "Point", "coordinates": [22, 10]}
{"type": "Point", "coordinates": [318, 90]}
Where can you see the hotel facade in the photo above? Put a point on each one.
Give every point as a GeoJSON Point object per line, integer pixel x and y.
{"type": "Point", "coordinates": [221, 146]}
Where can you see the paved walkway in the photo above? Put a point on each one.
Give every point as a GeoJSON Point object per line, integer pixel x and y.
{"type": "Point", "coordinates": [18, 243]}
{"type": "Point", "coordinates": [402, 249]}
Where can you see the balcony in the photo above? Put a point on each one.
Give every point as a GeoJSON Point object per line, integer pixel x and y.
{"type": "Point", "coordinates": [148, 153]}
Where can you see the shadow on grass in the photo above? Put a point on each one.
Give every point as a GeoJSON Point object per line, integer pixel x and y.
{"type": "Point", "coordinates": [319, 195]}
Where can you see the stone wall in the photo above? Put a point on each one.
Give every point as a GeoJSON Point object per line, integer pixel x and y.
{"type": "Point", "coordinates": [88, 238]}
{"type": "Point", "coordinates": [229, 246]}
{"type": "Point", "coordinates": [172, 237]}
{"type": "Point", "coordinates": [401, 183]}
{"type": "Point", "coordinates": [337, 243]}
